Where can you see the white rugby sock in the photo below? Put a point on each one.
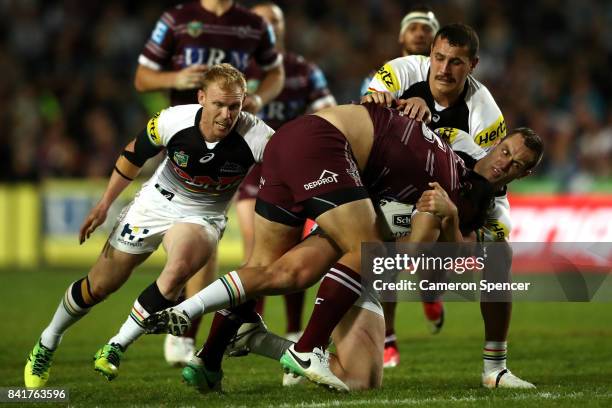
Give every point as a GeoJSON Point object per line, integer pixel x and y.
{"type": "Point", "coordinates": [70, 310]}
{"type": "Point", "coordinates": [227, 291]}
{"type": "Point", "coordinates": [494, 355]}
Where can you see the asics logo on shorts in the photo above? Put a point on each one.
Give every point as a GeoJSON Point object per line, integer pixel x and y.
{"type": "Point", "coordinates": [326, 177]}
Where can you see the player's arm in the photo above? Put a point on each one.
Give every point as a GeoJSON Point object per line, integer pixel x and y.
{"type": "Point", "coordinates": [437, 203]}
{"type": "Point", "coordinates": [148, 79]}
{"type": "Point", "coordinates": [320, 97]}
{"type": "Point", "coordinates": [127, 167]}
{"type": "Point", "coordinates": [269, 88]}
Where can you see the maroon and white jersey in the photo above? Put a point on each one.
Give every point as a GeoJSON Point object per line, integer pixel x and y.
{"type": "Point", "coordinates": [406, 155]}
{"type": "Point", "coordinates": [305, 90]}
{"type": "Point", "coordinates": [197, 174]}
{"type": "Point", "coordinates": [188, 34]}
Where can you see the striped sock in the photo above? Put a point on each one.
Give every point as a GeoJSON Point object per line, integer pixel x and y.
{"type": "Point", "coordinates": [339, 290]}
{"type": "Point", "coordinates": [76, 303]}
{"type": "Point", "coordinates": [390, 339]}
{"type": "Point", "coordinates": [494, 355]}
{"type": "Point", "coordinates": [227, 291]}
{"type": "Point", "coordinates": [150, 301]}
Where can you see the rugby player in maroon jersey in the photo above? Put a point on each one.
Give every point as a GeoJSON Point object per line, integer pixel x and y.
{"type": "Point", "coordinates": [328, 166]}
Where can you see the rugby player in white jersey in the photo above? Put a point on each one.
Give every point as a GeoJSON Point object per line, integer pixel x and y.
{"type": "Point", "coordinates": [209, 149]}
{"type": "Point", "coordinates": [417, 30]}
{"type": "Point", "coordinates": [441, 90]}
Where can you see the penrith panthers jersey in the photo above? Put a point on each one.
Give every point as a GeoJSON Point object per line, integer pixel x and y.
{"type": "Point", "coordinates": [476, 113]}
{"type": "Point", "coordinates": [199, 173]}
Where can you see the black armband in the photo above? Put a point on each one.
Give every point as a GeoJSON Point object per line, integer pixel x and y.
{"type": "Point", "coordinates": [123, 175]}
{"type": "Point", "coordinates": [143, 150]}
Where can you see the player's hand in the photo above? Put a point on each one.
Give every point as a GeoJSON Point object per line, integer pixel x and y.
{"type": "Point", "coordinates": [252, 103]}
{"type": "Point", "coordinates": [190, 77]}
{"type": "Point", "coordinates": [436, 202]}
{"type": "Point", "coordinates": [415, 108]}
{"type": "Point", "coordinates": [379, 98]}
{"type": "Point", "coordinates": [94, 219]}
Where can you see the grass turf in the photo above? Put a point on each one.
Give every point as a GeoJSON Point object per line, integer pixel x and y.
{"type": "Point", "coordinates": [564, 348]}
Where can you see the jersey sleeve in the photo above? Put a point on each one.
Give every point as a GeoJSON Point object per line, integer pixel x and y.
{"type": "Point", "coordinates": [159, 48]}
{"type": "Point", "coordinates": [498, 224]}
{"type": "Point", "coordinates": [266, 55]}
{"type": "Point", "coordinates": [487, 124]}
{"type": "Point", "coordinates": [397, 75]}
{"type": "Point", "coordinates": [255, 132]}
{"type": "Point", "coordinates": [319, 95]}
{"type": "Point", "coordinates": [460, 141]}
{"type": "Point", "coordinates": [165, 124]}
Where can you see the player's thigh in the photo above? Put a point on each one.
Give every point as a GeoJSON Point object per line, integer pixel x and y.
{"type": "Point", "coordinates": [302, 266]}
{"type": "Point", "coordinates": [272, 240]}
{"type": "Point", "coordinates": [245, 212]}
{"type": "Point", "coordinates": [350, 224]}
{"type": "Point", "coordinates": [190, 244]}
{"type": "Point", "coordinates": [359, 340]}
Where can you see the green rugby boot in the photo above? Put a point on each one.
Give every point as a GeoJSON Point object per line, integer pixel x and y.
{"type": "Point", "coordinates": [36, 372]}
{"type": "Point", "coordinates": [107, 360]}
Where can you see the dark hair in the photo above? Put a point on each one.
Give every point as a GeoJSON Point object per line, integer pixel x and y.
{"type": "Point", "coordinates": [460, 35]}
{"type": "Point", "coordinates": [532, 141]}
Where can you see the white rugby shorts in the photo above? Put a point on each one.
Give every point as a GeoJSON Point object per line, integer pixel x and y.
{"type": "Point", "coordinates": [142, 224]}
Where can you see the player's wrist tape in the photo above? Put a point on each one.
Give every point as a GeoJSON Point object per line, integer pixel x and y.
{"type": "Point", "coordinates": [122, 175]}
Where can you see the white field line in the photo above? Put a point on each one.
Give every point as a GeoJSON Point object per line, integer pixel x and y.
{"type": "Point", "coordinates": [425, 401]}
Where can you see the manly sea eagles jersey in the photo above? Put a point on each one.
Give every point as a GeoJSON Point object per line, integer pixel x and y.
{"type": "Point", "coordinates": [305, 90]}
{"type": "Point", "coordinates": [497, 225]}
{"type": "Point", "coordinates": [475, 113]}
{"type": "Point", "coordinates": [188, 34]}
{"type": "Point", "coordinates": [198, 173]}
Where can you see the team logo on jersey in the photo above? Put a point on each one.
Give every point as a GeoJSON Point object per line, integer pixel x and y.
{"type": "Point", "coordinates": [207, 157]}
{"type": "Point", "coordinates": [159, 32]}
{"type": "Point", "coordinates": [180, 158]}
{"type": "Point", "coordinates": [195, 28]}
{"type": "Point", "coordinates": [152, 131]}
{"type": "Point", "coordinates": [387, 76]}
{"type": "Point", "coordinates": [491, 135]}
{"type": "Point", "coordinates": [435, 117]}
{"type": "Point", "coordinates": [448, 134]}
{"type": "Point", "coordinates": [326, 177]}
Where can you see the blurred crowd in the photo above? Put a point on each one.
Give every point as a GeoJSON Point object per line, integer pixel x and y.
{"type": "Point", "coordinates": [68, 105]}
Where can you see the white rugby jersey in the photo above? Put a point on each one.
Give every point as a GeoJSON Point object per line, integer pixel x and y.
{"type": "Point", "coordinates": [476, 113]}
{"type": "Point", "coordinates": [202, 176]}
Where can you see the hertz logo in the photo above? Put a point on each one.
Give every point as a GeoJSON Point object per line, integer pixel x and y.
{"type": "Point", "coordinates": [152, 131]}
{"type": "Point", "coordinates": [386, 75]}
{"type": "Point", "coordinates": [492, 134]}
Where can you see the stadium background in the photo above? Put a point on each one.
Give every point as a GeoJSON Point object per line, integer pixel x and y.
{"type": "Point", "coordinates": [67, 106]}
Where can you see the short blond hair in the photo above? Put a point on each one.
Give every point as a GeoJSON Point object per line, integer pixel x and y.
{"type": "Point", "coordinates": [226, 76]}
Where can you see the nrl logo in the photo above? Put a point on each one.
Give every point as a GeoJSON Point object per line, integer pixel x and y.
{"type": "Point", "coordinates": [195, 28]}
{"type": "Point", "coordinates": [181, 158]}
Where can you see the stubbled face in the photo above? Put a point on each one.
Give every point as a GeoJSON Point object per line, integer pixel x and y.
{"type": "Point", "coordinates": [416, 39]}
{"type": "Point", "coordinates": [450, 67]}
{"type": "Point", "coordinates": [508, 161]}
{"type": "Point", "coordinates": [221, 109]}
{"type": "Point", "coordinates": [273, 15]}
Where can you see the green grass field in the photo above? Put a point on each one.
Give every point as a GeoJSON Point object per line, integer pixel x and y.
{"type": "Point", "coordinates": [564, 348]}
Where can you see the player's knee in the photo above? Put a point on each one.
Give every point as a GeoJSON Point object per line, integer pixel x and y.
{"type": "Point", "coordinates": [100, 290]}
{"type": "Point", "coordinates": [287, 276]}
{"type": "Point", "coordinates": [177, 273]}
